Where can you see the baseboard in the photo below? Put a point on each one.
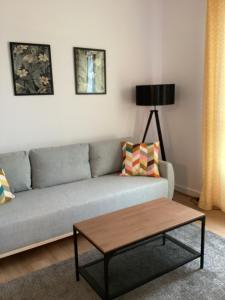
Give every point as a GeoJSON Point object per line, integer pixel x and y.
{"type": "Point", "coordinates": [188, 191]}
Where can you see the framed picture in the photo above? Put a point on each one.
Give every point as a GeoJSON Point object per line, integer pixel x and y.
{"type": "Point", "coordinates": [90, 71]}
{"type": "Point", "coordinates": [31, 69]}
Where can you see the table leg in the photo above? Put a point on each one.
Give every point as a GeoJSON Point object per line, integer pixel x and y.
{"type": "Point", "coordinates": [76, 254]}
{"type": "Point", "coordinates": [202, 242]}
{"type": "Point", "coordinates": [106, 276]}
{"type": "Point", "coordinates": [164, 238]}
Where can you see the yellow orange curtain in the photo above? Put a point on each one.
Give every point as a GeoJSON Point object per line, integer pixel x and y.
{"type": "Point", "coordinates": [213, 190]}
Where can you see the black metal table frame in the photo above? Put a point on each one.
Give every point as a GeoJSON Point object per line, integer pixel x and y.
{"type": "Point", "coordinates": [107, 256]}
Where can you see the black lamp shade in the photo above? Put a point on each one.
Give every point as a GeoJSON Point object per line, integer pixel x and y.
{"type": "Point", "coordinates": [153, 95]}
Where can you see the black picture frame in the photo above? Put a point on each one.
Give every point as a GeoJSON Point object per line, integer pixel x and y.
{"type": "Point", "coordinates": [82, 80]}
{"type": "Point", "coordinates": [31, 69]}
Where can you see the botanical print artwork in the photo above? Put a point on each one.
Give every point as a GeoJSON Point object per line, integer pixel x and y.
{"type": "Point", "coordinates": [32, 70]}
{"type": "Point", "coordinates": [90, 71]}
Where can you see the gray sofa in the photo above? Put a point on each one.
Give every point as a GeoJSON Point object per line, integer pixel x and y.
{"type": "Point", "coordinates": [58, 186]}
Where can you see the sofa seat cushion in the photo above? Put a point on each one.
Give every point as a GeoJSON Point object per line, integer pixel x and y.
{"type": "Point", "coordinates": [59, 165]}
{"type": "Point", "coordinates": [41, 214]}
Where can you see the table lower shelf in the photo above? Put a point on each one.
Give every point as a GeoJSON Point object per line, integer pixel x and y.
{"type": "Point", "coordinates": [138, 265]}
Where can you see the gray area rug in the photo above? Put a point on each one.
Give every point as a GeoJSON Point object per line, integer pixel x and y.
{"type": "Point", "coordinates": [187, 282]}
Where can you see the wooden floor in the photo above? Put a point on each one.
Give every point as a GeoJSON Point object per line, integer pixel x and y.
{"type": "Point", "coordinates": [32, 260]}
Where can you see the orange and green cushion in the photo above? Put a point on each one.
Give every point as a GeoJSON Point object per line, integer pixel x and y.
{"type": "Point", "coordinates": [140, 159]}
{"type": "Point", "coordinates": [5, 193]}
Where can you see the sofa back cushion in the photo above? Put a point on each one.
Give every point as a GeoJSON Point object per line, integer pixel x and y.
{"type": "Point", "coordinates": [16, 166]}
{"type": "Point", "coordinates": [106, 157]}
{"type": "Point", "coordinates": [58, 165]}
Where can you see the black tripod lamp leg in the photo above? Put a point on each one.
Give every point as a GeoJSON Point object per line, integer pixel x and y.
{"type": "Point", "coordinates": [160, 135]}
{"type": "Point", "coordinates": [147, 126]}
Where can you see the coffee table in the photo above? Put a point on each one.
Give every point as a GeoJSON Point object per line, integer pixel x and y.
{"type": "Point", "coordinates": [136, 246]}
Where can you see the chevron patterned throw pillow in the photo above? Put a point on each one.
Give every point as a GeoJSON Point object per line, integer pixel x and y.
{"type": "Point", "coordinates": [140, 159]}
{"type": "Point", "coordinates": [5, 194]}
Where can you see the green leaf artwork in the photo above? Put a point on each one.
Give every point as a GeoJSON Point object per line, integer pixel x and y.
{"type": "Point", "coordinates": [32, 70]}
{"type": "Point", "coordinates": [90, 74]}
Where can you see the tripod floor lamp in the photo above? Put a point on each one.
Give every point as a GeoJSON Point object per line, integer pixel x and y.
{"type": "Point", "coordinates": [154, 95]}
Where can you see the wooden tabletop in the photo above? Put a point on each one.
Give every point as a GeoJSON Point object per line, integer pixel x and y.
{"type": "Point", "coordinates": [115, 230]}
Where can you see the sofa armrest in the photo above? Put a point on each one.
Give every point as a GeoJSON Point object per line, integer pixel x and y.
{"type": "Point", "coordinates": [166, 171]}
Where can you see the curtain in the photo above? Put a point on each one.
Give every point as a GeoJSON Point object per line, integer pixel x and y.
{"type": "Point", "coordinates": [213, 189]}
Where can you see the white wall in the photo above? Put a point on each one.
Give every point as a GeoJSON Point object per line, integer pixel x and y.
{"type": "Point", "coordinates": [147, 41]}
{"type": "Point", "coordinates": [183, 63]}
{"type": "Point", "coordinates": [117, 26]}
{"type": "Point", "coordinates": [177, 53]}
